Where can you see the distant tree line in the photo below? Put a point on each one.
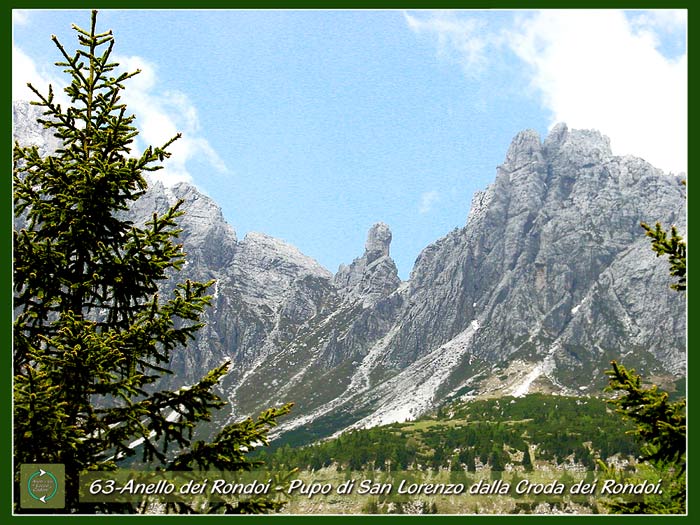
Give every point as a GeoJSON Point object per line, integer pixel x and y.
{"type": "Point", "coordinates": [497, 432]}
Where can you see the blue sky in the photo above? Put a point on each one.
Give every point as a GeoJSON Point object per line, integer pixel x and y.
{"type": "Point", "coordinates": [310, 126]}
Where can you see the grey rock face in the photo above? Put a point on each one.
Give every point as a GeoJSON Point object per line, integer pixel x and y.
{"type": "Point", "coordinates": [558, 218]}
{"type": "Point", "coordinates": [552, 275]}
{"type": "Point", "coordinates": [209, 239]}
{"type": "Point", "coordinates": [378, 242]}
{"type": "Point", "coordinates": [265, 288]}
{"type": "Point", "coordinates": [26, 129]}
{"type": "Point", "coordinates": [266, 268]}
{"type": "Point", "coordinates": [374, 275]}
{"type": "Point", "coordinates": [550, 278]}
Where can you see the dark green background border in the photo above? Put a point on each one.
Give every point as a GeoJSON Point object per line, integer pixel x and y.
{"type": "Point", "coordinates": [6, 247]}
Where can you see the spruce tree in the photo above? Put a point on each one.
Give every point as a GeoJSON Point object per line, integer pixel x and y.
{"type": "Point", "coordinates": [527, 460]}
{"type": "Point", "coordinates": [92, 332]}
{"type": "Point", "coordinates": [672, 245]}
{"type": "Point", "coordinates": [660, 424]}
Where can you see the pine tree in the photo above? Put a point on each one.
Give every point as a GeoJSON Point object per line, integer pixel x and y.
{"type": "Point", "coordinates": [660, 424]}
{"type": "Point", "coordinates": [92, 332]}
{"type": "Point", "coordinates": [497, 461]}
{"type": "Point", "coordinates": [527, 460]}
{"type": "Point", "coordinates": [673, 246]}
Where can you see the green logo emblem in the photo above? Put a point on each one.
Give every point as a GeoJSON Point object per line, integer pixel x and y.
{"type": "Point", "coordinates": [42, 486]}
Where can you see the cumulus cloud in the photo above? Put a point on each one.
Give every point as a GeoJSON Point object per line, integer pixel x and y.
{"type": "Point", "coordinates": [160, 113]}
{"type": "Point", "coordinates": [24, 71]}
{"type": "Point", "coordinates": [660, 20]}
{"type": "Point", "coordinates": [460, 39]}
{"type": "Point", "coordinates": [593, 70]}
{"type": "Point", "coordinates": [600, 69]}
{"type": "Point", "coordinates": [427, 201]}
{"type": "Point", "coordinates": [20, 16]}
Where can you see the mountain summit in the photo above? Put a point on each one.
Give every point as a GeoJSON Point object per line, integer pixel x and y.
{"type": "Point", "coordinates": [374, 275]}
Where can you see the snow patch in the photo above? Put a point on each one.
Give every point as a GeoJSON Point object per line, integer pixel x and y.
{"type": "Point", "coordinates": [403, 397]}
{"type": "Point", "coordinates": [359, 384]}
{"type": "Point", "coordinates": [524, 387]}
{"type": "Point", "coordinates": [546, 367]}
{"type": "Point", "coordinates": [417, 385]}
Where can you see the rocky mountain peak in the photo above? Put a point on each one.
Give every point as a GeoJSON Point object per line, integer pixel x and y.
{"type": "Point", "coordinates": [525, 149]}
{"type": "Point", "coordinates": [373, 275]}
{"type": "Point", "coordinates": [580, 147]}
{"type": "Point", "coordinates": [556, 137]}
{"type": "Point", "coordinates": [209, 240]}
{"type": "Point", "coordinates": [269, 253]}
{"type": "Point", "coordinates": [28, 131]}
{"type": "Point", "coordinates": [378, 242]}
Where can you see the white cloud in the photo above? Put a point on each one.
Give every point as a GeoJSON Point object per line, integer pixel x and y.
{"type": "Point", "coordinates": [160, 114]}
{"type": "Point", "coordinates": [20, 16]}
{"type": "Point", "coordinates": [24, 71]}
{"type": "Point", "coordinates": [660, 20]}
{"type": "Point", "coordinates": [427, 201]}
{"type": "Point", "coordinates": [459, 39]}
{"type": "Point", "coordinates": [593, 70]}
{"type": "Point", "coordinates": [598, 69]}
